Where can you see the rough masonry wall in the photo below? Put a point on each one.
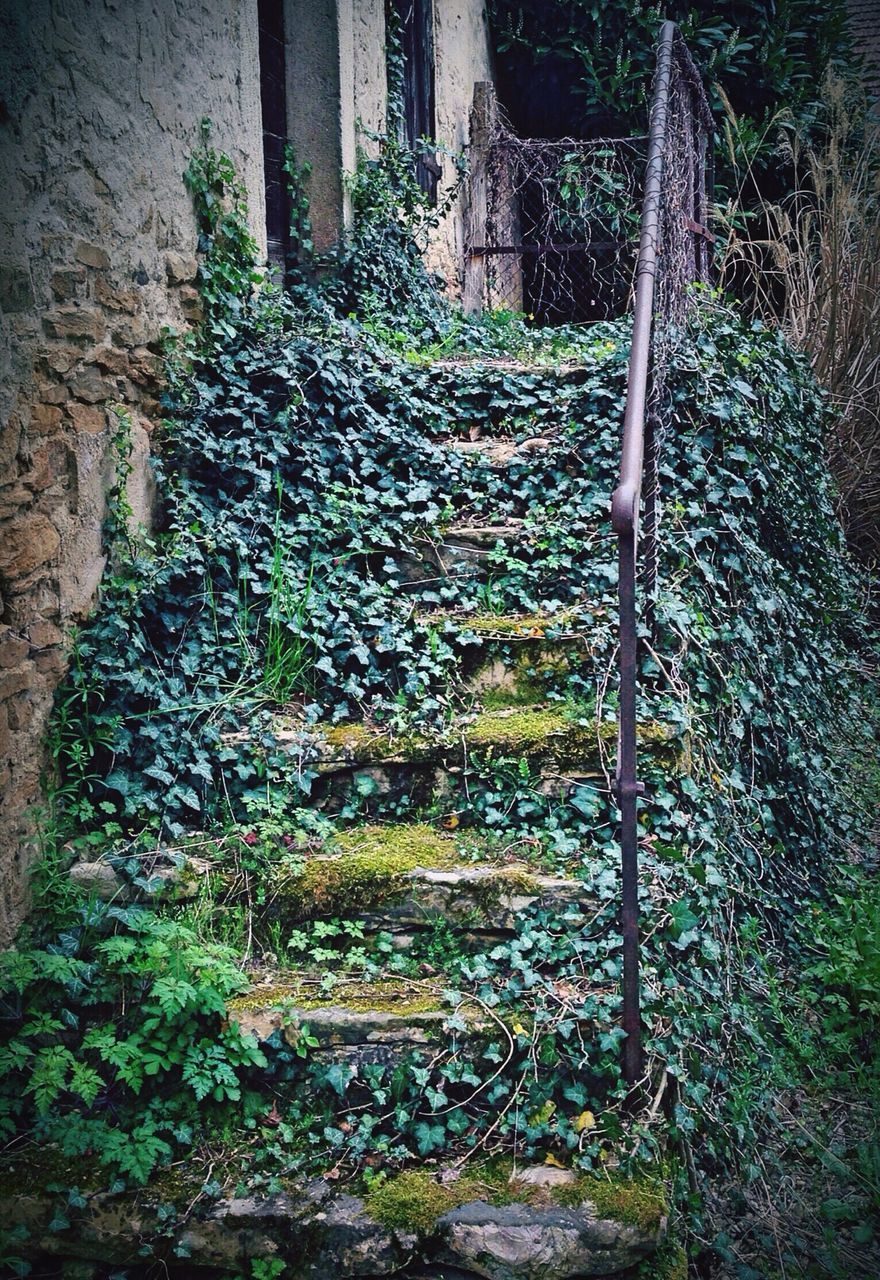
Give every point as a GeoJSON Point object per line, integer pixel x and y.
{"type": "Point", "coordinates": [100, 103]}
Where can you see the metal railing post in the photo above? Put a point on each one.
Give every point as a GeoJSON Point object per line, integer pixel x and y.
{"type": "Point", "coordinates": [625, 505]}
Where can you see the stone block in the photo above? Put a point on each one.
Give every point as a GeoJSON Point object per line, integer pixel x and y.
{"type": "Point", "coordinates": [75, 322]}
{"type": "Point", "coordinates": [49, 464]}
{"type": "Point", "coordinates": [87, 417]}
{"type": "Point", "coordinates": [15, 681]}
{"type": "Point", "coordinates": [190, 302]}
{"type": "Point", "coordinates": [88, 385]}
{"type": "Point", "coordinates": [92, 255]}
{"type": "Point", "coordinates": [44, 418]}
{"type": "Point", "coordinates": [12, 499]}
{"type": "Point", "coordinates": [67, 283]}
{"type": "Point", "coordinates": [116, 299]}
{"type": "Point", "coordinates": [10, 437]}
{"type": "Point", "coordinates": [98, 880]}
{"type": "Point", "coordinates": [43, 634]}
{"type": "Point", "coordinates": [180, 268]}
{"type": "Point", "coordinates": [20, 712]}
{"type": "Point", "coordinates": [28, 542]}
{"type": "Point", "coordinates": [113, 360]}
{"type": "Point", "coordinates": [61, 359]}
{"type": "Point", "coordinates": [50, 662]}
{"type": "Point", "coordinates": [12, 648]}
{"type": "Point", "coordinates": [53, 393]}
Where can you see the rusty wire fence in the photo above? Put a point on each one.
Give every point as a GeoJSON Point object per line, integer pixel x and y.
{"type": "Point", "coordinates": [560, 229]}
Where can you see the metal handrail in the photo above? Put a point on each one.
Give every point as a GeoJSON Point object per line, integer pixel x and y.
{"type": "Point", "coordinates": [625, 507]}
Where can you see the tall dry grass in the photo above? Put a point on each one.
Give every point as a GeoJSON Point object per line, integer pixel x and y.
{"type": "Point", "coordinates": [810, 262]}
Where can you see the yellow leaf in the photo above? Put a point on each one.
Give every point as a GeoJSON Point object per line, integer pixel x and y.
{"type": "Point", "coordinates": [519, 1029]}
{"type": "Point", "coordinates": [586, 1120]}
{"type": "Point", "coordinates": [553, 1162]}
{"type": "Point", "coordinates": [543, 1114]}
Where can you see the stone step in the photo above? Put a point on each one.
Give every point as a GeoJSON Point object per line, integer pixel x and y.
{"type": "Point", "coordinates": [405, 878]}
{"type": "Point", "coordinates": [355, 1021]}
{"type": "Point", "coordinates": [463, 551]}
{"type": "Point", "coordinates": [500, 453]}
{"type": "Point", "coordinates": [514, 659]}
{"type": "Point", "coordinates": [562, 751]}
{"type": "Point", "coordinates": [501, 1222]}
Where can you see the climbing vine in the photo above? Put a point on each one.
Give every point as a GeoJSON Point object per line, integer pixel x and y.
{"type": "Point", "coordinates": [307, 477]}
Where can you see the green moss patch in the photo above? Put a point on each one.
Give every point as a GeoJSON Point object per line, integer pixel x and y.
{"type": "Point", "coordinates": [362, 744]}
{"type": "Point", "coordinates": [298, 993]}
{"type": "Point", "coordinates": [364, 869]}
{"type": "Point", "coordinates": [635, 1202]}
{"type": "Point", "coordinates": [414, 1200]}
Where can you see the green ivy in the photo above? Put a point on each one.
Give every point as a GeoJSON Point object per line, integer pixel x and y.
{"type": "Point", "coordinates": [306, 461]}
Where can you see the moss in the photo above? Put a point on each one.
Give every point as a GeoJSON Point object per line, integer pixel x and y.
{"type": "Point", "coordinates": [31, 1169]}
{"type": "Point", "coordinates": [369, 867]}
{"type": "Point", "coordinates": [521, 627]}
{"type": "Point", "coordinates": [413, 1201]}
{"type": "Point", "coordinates": [550, 734]}
{"type": "Point", "coordinates": [489, 891]}
{"type": "Point", "coordinates": [362, 744]}
{"type": "Point", "coordinates": [637, 1202]}
{"type": "Point", "coordinates": [360, 997]}
{"type": "Point", "coordinates": [378, 997]}
{"type": "Point", "coordinates": [670, 1262]}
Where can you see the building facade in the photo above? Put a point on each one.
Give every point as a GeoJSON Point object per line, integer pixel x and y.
{"type": "Point", "coordinates": [100, 109]}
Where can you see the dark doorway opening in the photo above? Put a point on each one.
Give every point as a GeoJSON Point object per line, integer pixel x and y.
{"type": "Point", "coordinates": [273, 103]}
{"type": "Point", "coordinates": [415, 24]}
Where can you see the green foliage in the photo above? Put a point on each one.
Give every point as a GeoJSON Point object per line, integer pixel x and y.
{"type": "Point", "coordinates": [115, 1035]}
{"type": "Point", "coordinates": [228, 251]}
{"type": "Point", "coordinates": [378, 271]}
{"type": "Point", "coordinates": [307, 467]}
{"type": "Point", "coordinates": [845, 979]}
{"type": "Point", "coordinates": [763, 56]}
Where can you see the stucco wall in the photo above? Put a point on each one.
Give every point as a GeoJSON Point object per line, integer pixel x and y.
{"type": "Point", "coordinates": [463, 56]}
{"type": "Point", "coordinates": [101, 103]}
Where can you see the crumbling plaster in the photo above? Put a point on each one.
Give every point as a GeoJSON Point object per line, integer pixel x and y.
{"type": "Point", "coordinates": [101, 104]}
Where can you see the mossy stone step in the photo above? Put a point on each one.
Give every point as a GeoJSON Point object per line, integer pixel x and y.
{"type": "Point", "coordinates": [357, 1021]}
{"type": "Point", "coordinates": [462, 551]}
{"type": "Point", "coordinates": [555, 742]}
{"type": "Point", "coordinates": [406, 877]}
{"type": "Point", "coordinates": [525, 1223]}
{"type": "Point", "coordinates": [514, 659]}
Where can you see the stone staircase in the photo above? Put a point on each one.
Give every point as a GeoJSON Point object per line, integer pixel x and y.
{"type": "Point", "coordinates": [409, 872]}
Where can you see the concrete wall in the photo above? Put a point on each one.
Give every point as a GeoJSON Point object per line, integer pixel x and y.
{"type": "Point", "coordinates": [101, 103]}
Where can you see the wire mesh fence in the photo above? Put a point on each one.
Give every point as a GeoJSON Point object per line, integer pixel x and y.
{"type": "Point", "coordinates": [561, 225]}
{"type": "Point", "coordinates": [554, 225]}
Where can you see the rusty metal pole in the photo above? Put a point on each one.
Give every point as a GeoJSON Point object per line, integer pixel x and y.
{"type": "Point", "coordinates": [625, 505]}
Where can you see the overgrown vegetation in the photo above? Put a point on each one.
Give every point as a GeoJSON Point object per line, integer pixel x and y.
{"type": "Point", "coordinates": [812, 264]}
{"type": "Point", "coordinates": [595, 62]}
{"type": "Point", "coordinates": [308, 479]}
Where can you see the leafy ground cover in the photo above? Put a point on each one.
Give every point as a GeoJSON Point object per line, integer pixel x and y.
{"type": "Point", "coordinates": [295, 598]}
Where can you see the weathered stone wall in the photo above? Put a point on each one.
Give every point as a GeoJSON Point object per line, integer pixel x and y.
{"type": "Point", "coordinates": [101, 103]}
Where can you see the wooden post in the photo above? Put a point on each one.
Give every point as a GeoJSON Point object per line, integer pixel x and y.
{"type": "Point", "coordinates": [482, 120]}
